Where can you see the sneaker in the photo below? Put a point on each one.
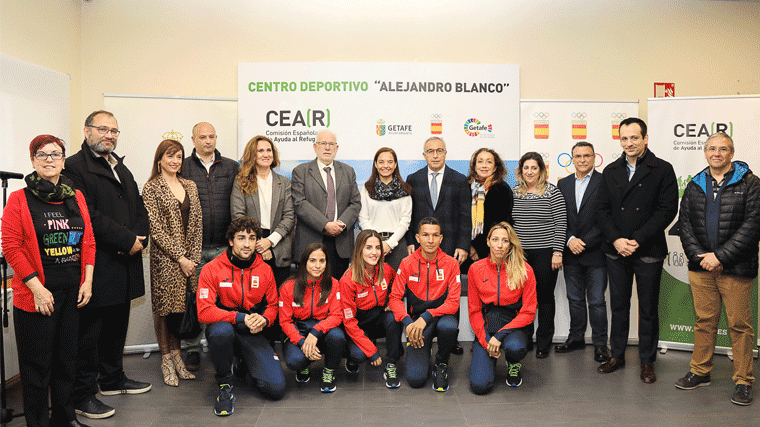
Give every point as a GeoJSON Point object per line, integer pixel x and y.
{"type": "Point", "coordinates": [126, 387]}
{"type": "Point", "coordinates": [328, 380]}
{"type": "Point", "coordinates": [742, 395]}
{"type": "Point", "coordinates": [514, 377]}
{"type": "Point", "coordinates": [692, 381]}
{"type": "Point", "coordinates": [352, 367]}
{"type": "Point", "coordinates": [223, 405]}
{"type": "Point", "coordinates": [302, 376]}
{"type": "Point", "coordinates": [94, 408]}
{"type": "Point", "coordinates": [391, 380]}
{"type": "Point", "coordinates": [440, 378]}
{"type": "Point", "coordinates": [193, 361]}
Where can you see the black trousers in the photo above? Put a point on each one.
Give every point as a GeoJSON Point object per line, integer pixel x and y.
{"type": "Point", "coordinates": [102, 334]}
{"type": "Point", "coordinates": [47, 349]}
{"type": "Point", "coordinates": [546, 280]}
{"type": "Point", "coordinates": [339, 265]}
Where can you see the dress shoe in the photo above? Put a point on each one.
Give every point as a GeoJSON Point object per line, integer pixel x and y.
{"type": "Point", "coordinates": [457, 349]}
{"type": "Point", "coordinates": [568, 346]}
{"type": "Point", "coordinates": [610, 365]}
{"type": "Point", "coordinates": [601, 353]}
{"type": "Point", "coordinates": [75, 423]}
{"type": "Point", "coordinates": [542, 352]}
{"type": "Point", "coordinates": [647, 373]}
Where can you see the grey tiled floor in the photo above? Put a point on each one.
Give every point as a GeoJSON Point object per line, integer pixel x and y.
{"type": "Point", "coordinates": [562, 390]}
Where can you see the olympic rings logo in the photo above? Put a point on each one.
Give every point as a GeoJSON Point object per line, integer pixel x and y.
{"type": "Point", "coordinates": [541, 115]}
{"type": "Point", "coordinates": [436, 116]}
{"type": "Point", "coordinates": [579, 116]}
{"type": "Point", "coordinates": [616, 156]}
{"type": "Point", "coordinates": [565, 164]}
{"type": "Point", "coordinates": [619, 115]}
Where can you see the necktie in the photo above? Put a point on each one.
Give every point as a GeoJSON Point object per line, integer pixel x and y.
{"type": "Point", "coordinates": [330, 209]}
{"type": "Point", "coordinates": [434, 189]}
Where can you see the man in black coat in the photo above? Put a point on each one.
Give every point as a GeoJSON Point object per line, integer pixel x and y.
{"type": "Point", "coordinates": [637, 200]}
{"type": "Point", "coordinates": [120, 224]}
{"type": "Point", "coordinates": [584, 266]}
{"type": "Point", "coordinates": [720, 229]}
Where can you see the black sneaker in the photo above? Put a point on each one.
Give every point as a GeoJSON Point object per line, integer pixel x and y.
{"type": "Point", "coordinates": [742, 395]}
{"type": "Point", "coordinates": [127, 387]}
{"type": "Point", "coordinates": [352, 367]}
{"type": "Point", "coordinates": [328, 380]}
{"type": "Point", "coordinates": [193, 361]}
{"type": "Point", "coordinates": [391, 380]}
{"type": "Point", "coordinates": [94, 408]}
{"type": "Point", "coordinates": [514, 377]}
{"type": "Point", "coordinates": [440, 378]}
{"type": "Point", "coordinates": [223, 405]}
{"type": "Point", "coordinates": [692, 381]}
{"type": "Point", "coordinates": [302, 376]}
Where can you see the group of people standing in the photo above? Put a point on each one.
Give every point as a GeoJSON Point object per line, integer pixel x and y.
{"type": "Point", "coordinates": [231, 230]}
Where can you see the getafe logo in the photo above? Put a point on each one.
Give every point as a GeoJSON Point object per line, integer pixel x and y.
{"type": "Point", "coordinates": [579, 125]}
{"type": "Point", "coordinates": [541, 126]}
{"type": "Point", "coordinates": [473, 127]}
{"type": "Point", "coordinates": [616, 118]}
{"type": "Point", "coordinates": [380, 128]}
{"type": "Point", "coordinates": [436, 124]}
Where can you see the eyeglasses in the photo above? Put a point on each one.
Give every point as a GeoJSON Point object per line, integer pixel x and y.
{"type": "Point", "coordinates": [103, 130]}
{"type": "Point", "coordinates": [432, 151]}
{"type": "Point", "coordinates": [722, 150]}
{"type": "Point", "coordinates": [327, 144]}
{"type": "Point", "coordinates": [55, 155]}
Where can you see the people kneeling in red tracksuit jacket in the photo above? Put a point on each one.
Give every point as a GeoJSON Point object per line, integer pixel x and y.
{"type": "Point", "coordinates": [502, 301]}
{"type": "Point", "coordinates": [310, 316]}
{"type": "Point", "coordinates": [366, 316]}
{"type": "Point", "coordinates": [429, 279]}
{"type": "Point", "coordinates": [237, 298]}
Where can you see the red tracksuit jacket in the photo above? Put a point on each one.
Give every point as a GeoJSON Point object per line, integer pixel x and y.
{"type": "Point", "coordinates": [328, 313]}
{"type": "Point", "coordinates": [487, 284]}
{"type": "Point", "coordinates": [356, 297]}
{"type": "Point", "coordinates": [226, 293]}
{"type": "Point", "coordinates": [425, 285]}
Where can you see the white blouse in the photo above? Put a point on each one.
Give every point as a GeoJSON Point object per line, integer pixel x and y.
{"type": "Point", "coordinates": [390, 216]}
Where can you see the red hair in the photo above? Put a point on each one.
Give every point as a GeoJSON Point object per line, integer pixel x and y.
{"type": "Point", "coordinates": [43, 140]}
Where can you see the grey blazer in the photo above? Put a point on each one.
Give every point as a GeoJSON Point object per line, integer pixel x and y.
{"type": "Point", "coordinates": [282, 216]}
{"type": "Point", "coordinates": [310, 198]}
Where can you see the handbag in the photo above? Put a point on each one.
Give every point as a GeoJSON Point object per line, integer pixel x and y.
{"type": "Point", "coordinates": [185, 325]}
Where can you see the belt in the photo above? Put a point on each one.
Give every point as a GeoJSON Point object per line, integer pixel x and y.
{"type": "Point", "coordinates": [385, 235]}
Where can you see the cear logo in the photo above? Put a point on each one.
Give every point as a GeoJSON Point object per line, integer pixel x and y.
{"type": "Point", "coordinates": [312, 118]}
{"type": "Point", "coordinates": [380, 128]}
{"type": "Point", "coordinates": [694, 130]}
{"type": "Point", "coordinates": [565, 160]}
{"type": "Point", "coordinates": [473, 127]}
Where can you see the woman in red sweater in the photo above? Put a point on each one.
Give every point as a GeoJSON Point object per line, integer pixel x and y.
{"type": "Point", "coordinates": [310, 317]}
{"type": "Point", "coordinates": [366, 316]}
{"type": "Point", "coordinates": [48, 241]}
{"type": "Point", "coordinates": [502, 302]}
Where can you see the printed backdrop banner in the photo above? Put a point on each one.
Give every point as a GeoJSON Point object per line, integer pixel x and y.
{"type": "Point", "coordinates": [552, 127]}
{"type": "Point", "coordinates": [678, 130]}
{"type": "Point", "coordinates": [373, 105]}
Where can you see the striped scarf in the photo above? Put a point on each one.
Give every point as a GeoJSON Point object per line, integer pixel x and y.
{"type": "Point", "coordinates": [479, 192]}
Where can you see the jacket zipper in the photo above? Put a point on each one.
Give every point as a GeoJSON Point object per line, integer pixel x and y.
{"type": "Point", "coordinates": [498, 284]}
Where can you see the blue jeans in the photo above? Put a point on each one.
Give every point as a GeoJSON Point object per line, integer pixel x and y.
{"type": "Point", "coordinates": [387, 327]}
{"type": "Point", "coordinates": [483, 367]}
{"type": "Point", "coordinates": [225, 341]}
{"type": "Point", "coordinates": [418, 359]}
{"type": "Point", "coordinates": [587, 282]}
{"type": "Point", "coordinates": [331, 345]}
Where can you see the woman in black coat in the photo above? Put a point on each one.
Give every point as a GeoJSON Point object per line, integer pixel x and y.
{"type": "Point", "coordinates": [491, 198]}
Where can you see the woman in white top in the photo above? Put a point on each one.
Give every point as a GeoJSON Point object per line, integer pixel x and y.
{"type": "Point", "coordinates": [263, 194]}
{"type": "Point", "coordinates": [387, 205]}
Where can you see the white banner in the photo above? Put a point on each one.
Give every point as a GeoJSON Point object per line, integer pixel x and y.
{"type": "Point", "coordinates": [678, 130]}
{"type": "Point", "coordinates": [552, 127]}
{"type": "Point", "coordinates": [373, 105]}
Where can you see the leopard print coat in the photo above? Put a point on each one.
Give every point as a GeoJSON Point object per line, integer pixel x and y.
{"type": "Point", "coordinates": [168, 243]}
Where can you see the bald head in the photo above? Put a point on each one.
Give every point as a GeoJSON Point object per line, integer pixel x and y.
{"type": "Point", "coordinates": [204, 139]}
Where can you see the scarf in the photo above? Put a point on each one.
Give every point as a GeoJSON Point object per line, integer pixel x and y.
{"type": "Point", "coordinates": [390, 191]}
{"type": "Point", "coordinates": [479, 192]}
{"type": "Point", "coordinates": [54, 193]}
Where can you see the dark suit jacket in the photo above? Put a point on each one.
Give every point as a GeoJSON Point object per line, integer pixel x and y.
{"type": "Point", "coordinates": [639, 209]}
{"type": "Point", "coordinates": [497, 207]}
{"type": "Point", "coordinates": [310, 200]}
{"type": "Point", "coordinates": [580, 223]}
{"type": "Point", "coordinates": [453, 211]}
{"type": "Point", "coordinates": [118, 216]}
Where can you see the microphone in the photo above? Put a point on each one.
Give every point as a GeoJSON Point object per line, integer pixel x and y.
{"type": "Point", "coordinates": [11, 175]}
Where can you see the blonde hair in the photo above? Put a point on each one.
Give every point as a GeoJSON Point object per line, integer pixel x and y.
{"type": "Point", "coordinates": [522, 186]}
{"type": "Point", "coordinates": [515, 262]}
